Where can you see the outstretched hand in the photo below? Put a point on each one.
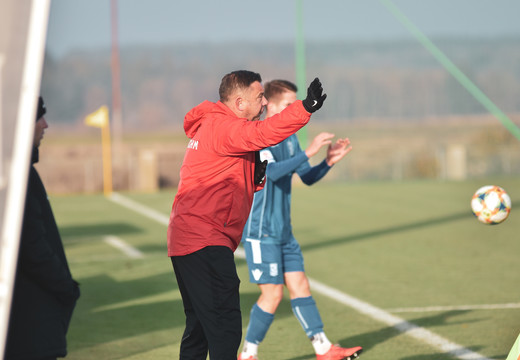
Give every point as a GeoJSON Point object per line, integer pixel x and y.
{"type": "Point", "coordinates": [337, 151]}
{"type": "Point", "coordinates": [315, 96]}
{"type": "Point", "coordinates": [320, 140]}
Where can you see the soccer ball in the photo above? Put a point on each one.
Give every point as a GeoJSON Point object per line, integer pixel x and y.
{"type": "Point", "coordinates": [491, 204]}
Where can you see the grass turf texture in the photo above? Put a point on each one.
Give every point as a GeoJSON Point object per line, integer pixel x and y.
{"type": "Point", "coordinates": [394, 245]}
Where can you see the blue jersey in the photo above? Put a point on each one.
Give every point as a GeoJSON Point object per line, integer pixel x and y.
{"type": "Point", "coordinates": [270, 217]}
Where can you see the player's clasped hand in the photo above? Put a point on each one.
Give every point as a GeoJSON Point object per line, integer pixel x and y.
{"type": "Point", "coordinates": [337, 151]}
{"type": "Point", "coordinates": [322, 139]}
{"type": "Point", "coordinates": [315, 96]}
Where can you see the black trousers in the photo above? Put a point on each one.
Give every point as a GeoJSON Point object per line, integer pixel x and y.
{"type": "Point", "coordinates": [209, 287]}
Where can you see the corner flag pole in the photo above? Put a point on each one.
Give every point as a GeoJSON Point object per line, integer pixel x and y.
{"type": "Point", "coordinates": [100, 119]}
{"type": "Point", "coordinates": [453, 69]}
{"type": "Point", "coordinates": [107, 160]}
{"type": "Point", "coordinates": [301, 81]}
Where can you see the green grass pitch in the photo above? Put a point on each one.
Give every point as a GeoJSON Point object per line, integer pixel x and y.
{"type": "Point", "coordinates": [394, 245]}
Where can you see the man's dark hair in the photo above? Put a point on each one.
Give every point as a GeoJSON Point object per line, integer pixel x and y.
{"type": "Point", "coordinates": [41, 110]}
{"type": "Point", "coordinates": [240, 79]}
{"type": "Point", "coordinates": [277, 87]}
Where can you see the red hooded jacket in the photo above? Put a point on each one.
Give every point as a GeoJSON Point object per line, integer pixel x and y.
{"type": "Point", "coordinates": [216, 179]}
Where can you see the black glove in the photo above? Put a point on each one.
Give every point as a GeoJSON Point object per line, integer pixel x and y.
{"type": "Point", "coordinates": [260, 167]}
{"type": "Point", "coordinates": [314, 99]}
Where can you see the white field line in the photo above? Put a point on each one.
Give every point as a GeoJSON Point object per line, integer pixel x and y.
{"type": "Point", "coordinates": [139, 208]}
{"type": "Point", "coordinates": [125, 248]}
{"type": "Point", "coordinates": [457, 307]}
{"type": "Point", "coordinates": [362, 307]}
{"type": "Point", "coordinates": [400, 324]}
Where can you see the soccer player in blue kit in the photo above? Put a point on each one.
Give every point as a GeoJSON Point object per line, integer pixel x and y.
{"type": "Point", "coordinates": [273, 255]}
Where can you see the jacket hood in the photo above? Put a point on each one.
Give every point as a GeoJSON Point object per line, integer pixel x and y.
{"type": "Point", "coordinates": [195, 116]}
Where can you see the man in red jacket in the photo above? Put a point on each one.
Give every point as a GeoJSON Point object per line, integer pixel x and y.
{"type": "Point", "coordinates": [218, 178]}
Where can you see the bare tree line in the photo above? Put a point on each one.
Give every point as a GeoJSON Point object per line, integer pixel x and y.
{"type": "Point", "coordinates": [364, 80]}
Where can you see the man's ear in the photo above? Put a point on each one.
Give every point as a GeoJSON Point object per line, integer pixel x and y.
{"type": "Point", "coordinates": [239, 103]}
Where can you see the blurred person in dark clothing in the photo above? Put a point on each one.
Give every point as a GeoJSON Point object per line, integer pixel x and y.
{"type": "Point", "coordinates": [45, 293]}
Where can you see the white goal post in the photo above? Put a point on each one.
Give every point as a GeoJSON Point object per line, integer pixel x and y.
{"type": "Point", "coordinates": [23, 29]}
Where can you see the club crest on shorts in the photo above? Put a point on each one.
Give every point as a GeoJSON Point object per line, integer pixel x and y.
{"type": "Point", "coordinates": [273, 269]}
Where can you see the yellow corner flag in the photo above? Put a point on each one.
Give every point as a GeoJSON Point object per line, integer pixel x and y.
{"type": "Point", "coordinates": [514, 354]}
{"type": "Point", "coordinates": [99, 118]}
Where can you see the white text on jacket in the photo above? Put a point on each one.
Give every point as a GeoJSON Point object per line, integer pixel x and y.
{"type": "Point", "coordinates": [193, 144]}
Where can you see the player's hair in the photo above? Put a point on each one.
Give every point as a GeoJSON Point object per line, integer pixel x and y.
{"type": "Point", "coordinates": [277, 87]}
{"type": "Point", "coordinates": [240, 79]}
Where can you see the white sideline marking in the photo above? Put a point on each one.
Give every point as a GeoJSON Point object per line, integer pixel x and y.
{"type": "Point", "coordinates": [362, 307]}
{"type": "Point", "coordinates": [240, 252]}
{"type": "Point", "coordinates": [402, 325]}
{"type": "Point", "coordinates": [458, 307]}
{"type": "Point", "coordinates": [139, 208]}
{"type": "Point", "coordinates": [128, 250]}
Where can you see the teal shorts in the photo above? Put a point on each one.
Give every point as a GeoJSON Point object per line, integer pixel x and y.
{"type": "Point", "coordinates": [268, 261]}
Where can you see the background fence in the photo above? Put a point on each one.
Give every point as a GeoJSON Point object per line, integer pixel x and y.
{"type": "Point", "coordinates": [443, 148]}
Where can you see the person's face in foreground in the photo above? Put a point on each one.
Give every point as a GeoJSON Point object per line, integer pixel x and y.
{"type": "Point", "coordinates": [254, 101]}
{"type": "Point", "coordinates": [39, 129]}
